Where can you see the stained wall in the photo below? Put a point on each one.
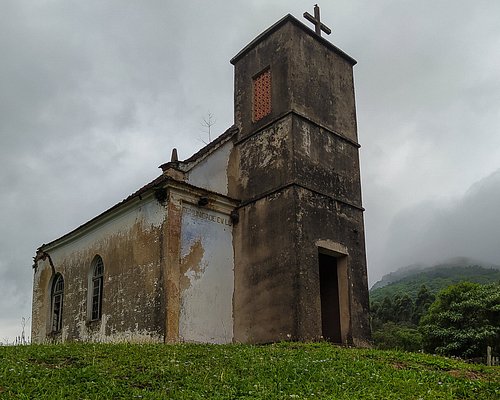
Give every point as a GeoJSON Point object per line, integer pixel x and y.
{"type": "Point", "coordinates": [132, 303]}
{"type": "Point", "coordinates": [168, 272]}
{"type": "Point", "coordinates": [299, 184]}
{"type": "Point", "coordinates": [206, 276]}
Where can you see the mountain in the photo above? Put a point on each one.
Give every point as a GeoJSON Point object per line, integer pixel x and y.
{"type": "Point", "coordinates": [408, 280]}
{"type": "Point", "coordinates": [399, 274]}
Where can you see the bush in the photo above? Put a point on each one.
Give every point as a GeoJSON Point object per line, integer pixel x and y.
{"type": "Point", "coordinates": [463, 321]}
{"type": "Point", "coordinates": [396, 336]}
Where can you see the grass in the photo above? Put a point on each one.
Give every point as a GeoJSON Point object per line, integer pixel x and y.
{"type": "Point", "coordinates": [194, 371]}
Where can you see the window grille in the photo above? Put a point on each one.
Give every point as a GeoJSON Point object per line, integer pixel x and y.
{"type": "Point", "coordinates": [57, 303]}
{"type": "Point", "coordinates": [262, 95]}
{"type": "Point", "coordinates": [96, 288]}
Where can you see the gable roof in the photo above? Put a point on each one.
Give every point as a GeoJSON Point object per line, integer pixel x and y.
{"type": "Point", "coordinates": [157, 183]}
{"type": "Point", "coordinates": [203, 153]}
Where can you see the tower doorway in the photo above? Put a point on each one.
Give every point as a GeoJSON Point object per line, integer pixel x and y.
{"type": "Point", "coordinates": [331, 328]}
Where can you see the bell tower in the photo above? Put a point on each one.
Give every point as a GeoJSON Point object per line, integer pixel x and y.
{"type": "Point", "coordinates": [300, 263]}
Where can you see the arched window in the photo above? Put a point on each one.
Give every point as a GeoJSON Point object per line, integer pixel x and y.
{"type": "Point", "coordinates": [95, 288]}
{"type": "Point", "coordinates": [57, 302]}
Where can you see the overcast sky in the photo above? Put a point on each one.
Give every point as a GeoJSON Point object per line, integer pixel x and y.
{"type": "Point", "coordinates": [94, 95]}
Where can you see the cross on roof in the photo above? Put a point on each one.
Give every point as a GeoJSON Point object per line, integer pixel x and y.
{"type": "Point", "coordinates": [319, 26]}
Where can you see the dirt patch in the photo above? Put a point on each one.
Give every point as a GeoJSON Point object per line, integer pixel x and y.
{"type": "Point", "coordinates": [471, 375]}
{"type": "Point", "coordinates": [56, 363]}
{"type": "Point", "coordinates": [399, 365]}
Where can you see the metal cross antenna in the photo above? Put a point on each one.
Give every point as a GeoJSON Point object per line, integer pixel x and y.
{"type": "Point", "coordinates": [316, 20]}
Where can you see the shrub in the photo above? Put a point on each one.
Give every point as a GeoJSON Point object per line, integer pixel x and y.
{"type": "Point", "coordinates": [463, 320]}
{"type": "Point", "coordinates": [396, 336]}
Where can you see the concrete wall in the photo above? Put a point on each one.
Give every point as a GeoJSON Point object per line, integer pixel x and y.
{"type": "Point", "coordinates": [264, 161]}
{"type": "Point", "coordinates": [308, 76]}
{"type": "Point", "coordinates": [266, 273]}
{"type": "Point", "coordinates": [169, 267]}
{"type": "Point", "coordinates": [299, 183]}
{"type": "Point", "coordinates": [132, 305]}
{"type": "Point", "coordinates": [342, 226]}
{"type": "Point", "coordinates": [323, 84]}
{"type": "Point", "coordinates": [325, 162]}
{"type": "Point", "coordinates": [207, 276]}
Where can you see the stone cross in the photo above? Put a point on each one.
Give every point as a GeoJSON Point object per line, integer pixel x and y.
{"type": "Point", "coordinates": [319, 26]}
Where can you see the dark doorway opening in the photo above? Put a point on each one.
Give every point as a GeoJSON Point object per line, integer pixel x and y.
{"type": "Point", "coordinates": [329, 292]}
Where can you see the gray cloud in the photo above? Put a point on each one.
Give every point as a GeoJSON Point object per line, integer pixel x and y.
{"type": "Point", "coordinates": [433, 231]}
{"type": "Point", "coordinates": [95, 94]}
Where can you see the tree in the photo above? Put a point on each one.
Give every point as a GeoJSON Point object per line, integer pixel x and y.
{"type": "Point", "coordinates": [397, 336]}
{"type": "Point", "coordinates": [381, 312]}
{"type": "Point", "coordinates": [463, 320]}
{"type": "Point", "coordinates": [403, 308]}
{"type": "Point", "coordinates": [422, 303]}
{"type": "Point", "coordinates": [386, 310]}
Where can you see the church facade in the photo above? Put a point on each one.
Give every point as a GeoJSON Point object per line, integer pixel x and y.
{"type": "Point", "coordinates": [258, 237]}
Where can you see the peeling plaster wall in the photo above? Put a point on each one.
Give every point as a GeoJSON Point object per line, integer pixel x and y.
{"type": "Point", "coordinates": [211, 173]}
{"type": "Point", "coordinates": [41, 302]}
{"type": "Point", "coordinates": [266, 274]}
{"type": "Point", "coordinates": [341, 225]}
{"type": "Point", "coordinates": [295, 173]}
{"type": "Point", "coordinates": [132, 305]}
{"type": "Point", "coordinates": [308, 77]}
{"type": "Point", "coordinates": [265, 160]}
{"type": "Point", "coordinates": [206, 276]}
{"type": "Point", "coordinates": [299, 185]}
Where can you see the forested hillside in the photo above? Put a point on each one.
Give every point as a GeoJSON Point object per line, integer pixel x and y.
{"type": "Point", "coordinates": [448, 309]}
{"type": "Point", "coordinates": [434, 278]}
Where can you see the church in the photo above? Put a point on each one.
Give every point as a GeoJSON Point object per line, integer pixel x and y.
{"type": "Point", "coordinates": [256, 238]}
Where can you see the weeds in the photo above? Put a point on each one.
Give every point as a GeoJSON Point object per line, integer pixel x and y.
{"type": "Point", "coordinates": [280, 371]}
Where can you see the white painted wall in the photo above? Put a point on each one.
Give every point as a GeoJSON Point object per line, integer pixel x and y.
{"type": "Point", "coordinates": [211, 173]}
{"type": "Point", "coordinates": [206, 304]}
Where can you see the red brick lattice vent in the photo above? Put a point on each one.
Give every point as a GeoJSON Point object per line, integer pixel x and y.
{"type": "Point", "coordinates": [262, 95]}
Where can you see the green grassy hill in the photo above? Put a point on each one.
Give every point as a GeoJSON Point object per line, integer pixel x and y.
{"type": "Point", "coordinates": [408, 281]}
{"type": "Point", "coordinates": [281, 371]}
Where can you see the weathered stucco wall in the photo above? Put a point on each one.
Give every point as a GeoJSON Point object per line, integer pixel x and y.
{"type": "Point", "coordinates": [266, 273]}
{"type": "Point", "coordinates": [309, 76]}
{"type": "Point", "coordinates": [299, 182]}
{"type": "Point", "coordinates": [132, 304]}
{"type": "Point", "coordinates": [325, 162]}
{"type": "Point", "coordinates": [323, 88]}
{"type": "Point", "coordinates": [265, 161]}
{"type": "Point", "coordinates": [169, 269]}
{"type": "Point", "coordinates": [342, 225]}
{"type": "Point", "coordinates": [211, 173]}
{"type": "Point", "coordinates": [206, 276]}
